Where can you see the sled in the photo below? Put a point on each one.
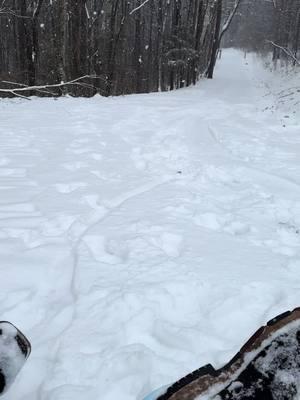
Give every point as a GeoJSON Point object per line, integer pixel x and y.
{"type": "Point", "coordinates": [14, 351]}
{"type": "Point", "coordinates": [267, 367]}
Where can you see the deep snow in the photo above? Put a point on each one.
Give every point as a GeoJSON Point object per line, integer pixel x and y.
{"type": "Point", "coordinates": [144, 236]}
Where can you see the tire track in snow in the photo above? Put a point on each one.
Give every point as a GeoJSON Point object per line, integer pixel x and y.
{"type": "Point", "coordinates": [101, 213]}
{"type": "Point", "coordinates": [105, 211]}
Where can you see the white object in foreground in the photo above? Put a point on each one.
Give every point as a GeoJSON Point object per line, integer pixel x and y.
{"type": "Point", "coordinates": [14, 351]}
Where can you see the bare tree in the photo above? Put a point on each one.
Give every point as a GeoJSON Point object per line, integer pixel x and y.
{"type": "Point", "coordinates": [219, 33]}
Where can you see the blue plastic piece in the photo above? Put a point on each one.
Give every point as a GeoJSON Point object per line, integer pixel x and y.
{"type": "Point", "coordinates": [157, 393]}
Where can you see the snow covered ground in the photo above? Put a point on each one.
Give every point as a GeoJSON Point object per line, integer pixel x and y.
{"type": "Point", "coordinates": [144, 236]}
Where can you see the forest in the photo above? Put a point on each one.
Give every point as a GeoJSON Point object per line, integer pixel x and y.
{"type": "Point", "coordinates": [118, 47]}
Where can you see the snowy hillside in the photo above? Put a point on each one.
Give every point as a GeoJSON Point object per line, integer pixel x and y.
{"type": "Point", "coordinates": [144, 236]}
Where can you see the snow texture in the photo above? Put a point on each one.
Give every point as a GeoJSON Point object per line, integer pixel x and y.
{"type": "Point", "coordinates": [144, 236]}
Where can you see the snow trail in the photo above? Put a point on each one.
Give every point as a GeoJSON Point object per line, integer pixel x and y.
{"type": "Point", "coordinates": [146, 235]}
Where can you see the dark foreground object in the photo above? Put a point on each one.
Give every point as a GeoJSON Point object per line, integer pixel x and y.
{"type": "Point", "coordinates": [14, 351]}
{"type": "Point", "coordinates": [266, 368]}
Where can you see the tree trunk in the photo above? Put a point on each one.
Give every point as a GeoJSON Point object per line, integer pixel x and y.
{"type": "Point", "coordinates": [216, 40]}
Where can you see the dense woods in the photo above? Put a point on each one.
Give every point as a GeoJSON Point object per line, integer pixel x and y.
{"type": "Point", "coordinates": [128, 46]}
{"type": "Point", "coordinates": [268, 26]}
{"type": "Point", "coordinates": [136, 46]}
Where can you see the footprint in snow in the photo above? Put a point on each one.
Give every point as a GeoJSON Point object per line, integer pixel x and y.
{"type": "Point", "coordinates": [223, 223]}
{"type": "Point", "coordinates": [169, 243]}
{"type": "Point", "coordinates": [108, 251]}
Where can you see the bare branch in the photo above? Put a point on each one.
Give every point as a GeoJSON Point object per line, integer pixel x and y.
{"type": "Point", "coordinates": [230, 18]}
{"type": "Point", "coordinates": [22, 84]}
{"type": "Point", "coordinates": [139, 7]}
{"type": "Point", "coordinates": [37, 10]}
{"type": "Point", "coordinates": [7, 11]}
{"type": "Point", "coordinates": [87, 11]}
{"type": "Point", "coordinates": [19, 95]}
{"type": "Point", "coordinates": [14, 83]}
{"type": "Point", "coordinates": [286, 50]}
{"type": "Point", "coordinates": [43, 88]}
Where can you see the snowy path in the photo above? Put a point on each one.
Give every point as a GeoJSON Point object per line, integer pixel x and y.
{"type": "Point", "coordinates": [144, 236]}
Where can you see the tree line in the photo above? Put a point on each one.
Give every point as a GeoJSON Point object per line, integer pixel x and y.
{"type": "Point", "coordinates": [268, 26]}
{"type": "Point", "coordinates": [120, 46]}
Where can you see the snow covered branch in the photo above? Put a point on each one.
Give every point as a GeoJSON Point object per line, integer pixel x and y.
{"type": "Point", "coordinates": [139, 7]}
{"type": "Point", "coordinates": [286, 50]}
{"type": "Point", "coordinates": [37, 9]}
{"type": "Point", "coordinates": [2, 6]}
{"type": "Point", "coordinates": [4, 11]}
{"type": "Point", "coordinates": [17, 91]}
{"type": "Point", "coordinates": [230, 18]}
{"type": "Point", "coordinates": [7, 11]}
